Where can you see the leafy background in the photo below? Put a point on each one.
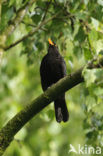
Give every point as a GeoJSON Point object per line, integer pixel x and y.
{"type": "Point", "coordinates": [78, 32]}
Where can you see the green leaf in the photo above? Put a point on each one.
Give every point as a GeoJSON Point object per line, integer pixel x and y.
{"type": "Point", "coordinates": [7, 13]}
{"type": "Point", "coordinates": [101, 52]}
{"type": "Point", "coordinates": [93, 75]}
{"type": "Point", "coordinates": [36, 18]}
{"type": "Point", "coordinates": [80, 15]}
{"type": "Point", "coordinates": [98, 91]}
{"type": "Point", "coordinates": [40, 3]}
{"type": "Point", "coordinates": [87, 54]}
{"type": "Point", "coordinates": [92, 134]}
{"type": "Point", "coordinates": [50, 114]}
{"type": "Point", "coordinates": [95, 23]}
{"type": "Point", "coordinates": [93, 35]}
{"type": "Point", "coordinates": [80, 35]}
{"type": "Point", "coordinates": [11, 2]}
{"type": "Point", "coordinates": [98, 45]}
{"type": "Point", "coordinates": [90, 102]}
{"type": "Point", "coordinates": [89, 76]}
{"type": "Point", "coordinates": [18, 3]}
{"type": "Point", "coordinates": [100, 2]}
{"type": "Point", "coordinates": [47, 116]}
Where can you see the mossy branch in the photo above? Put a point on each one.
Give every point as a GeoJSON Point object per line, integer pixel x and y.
{"type": "Point", "coordinates": [8, 132]}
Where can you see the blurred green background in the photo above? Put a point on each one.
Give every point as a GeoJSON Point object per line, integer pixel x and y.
{"type": "Point", "coordinates": [79, 37]}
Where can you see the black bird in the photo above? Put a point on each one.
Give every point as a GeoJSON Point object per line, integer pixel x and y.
{"type": "Point", "coordinates": [52, 69]}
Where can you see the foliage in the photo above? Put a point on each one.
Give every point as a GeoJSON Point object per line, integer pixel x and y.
{"type": "Point", "coordinates": [78, 32]}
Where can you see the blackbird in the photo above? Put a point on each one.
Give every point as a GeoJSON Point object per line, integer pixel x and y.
{"type": "Point", "coordinates": [52, 69]}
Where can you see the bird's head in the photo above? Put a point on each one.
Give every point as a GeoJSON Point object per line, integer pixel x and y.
{"type": "Point", "coordinates": [51, 43]}
{"type": "Point", "coordinates": [52, 46]}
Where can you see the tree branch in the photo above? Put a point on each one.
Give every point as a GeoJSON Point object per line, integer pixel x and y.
{"type": "Point", "coordinates": [17, 122]}
{"type": "Point", "coordinates": [33, 25]}
{"type": "Point", "coordinates": [46, 11]}
{"type": "Point", "coordinates": [8, 132]}
{"type": "Point", "coordinates": [31, 32]}
{"type": "Point", "coordinates": [19, 17]}
{"type": "Point", "coordinates": [15, 22]}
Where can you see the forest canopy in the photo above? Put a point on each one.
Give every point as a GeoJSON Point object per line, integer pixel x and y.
{"type": "Point", "coordinates": [77, 29]}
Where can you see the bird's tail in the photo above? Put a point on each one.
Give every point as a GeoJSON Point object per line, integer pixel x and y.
{"type": "Point", "coordinates": [61, 111]}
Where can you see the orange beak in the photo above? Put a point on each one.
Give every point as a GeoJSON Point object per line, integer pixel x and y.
{"type": "Point", "coordinates": [50, 42]}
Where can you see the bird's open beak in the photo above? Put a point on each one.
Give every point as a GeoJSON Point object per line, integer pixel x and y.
{"type": "Point", "coordinates": [50, 42]}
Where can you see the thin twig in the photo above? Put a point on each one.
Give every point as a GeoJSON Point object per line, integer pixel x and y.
{"type": "Point", "coordinates": [33, 25]}
{"type": "Point", "coordinates": [46, 11]}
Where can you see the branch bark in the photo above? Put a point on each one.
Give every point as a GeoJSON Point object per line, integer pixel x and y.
{"type": "Point", "coordinates": [8, 132]}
